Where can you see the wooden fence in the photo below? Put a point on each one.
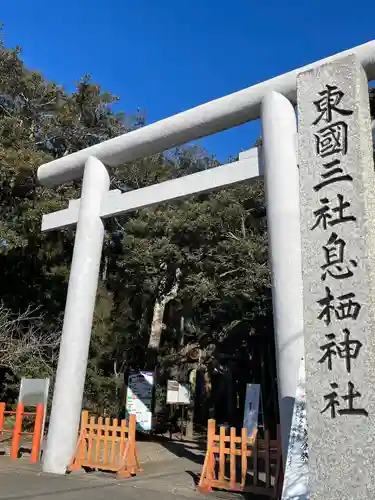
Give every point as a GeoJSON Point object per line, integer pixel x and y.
{"type": "Point", "coordinates": [17, 431]}
{"type": "Point", "coordinates": [256, 461]}
{"type": "Point", "coordinates": [108, 445]}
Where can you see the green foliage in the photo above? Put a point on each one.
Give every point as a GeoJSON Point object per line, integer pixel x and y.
{"type": "Point", "coordinates": [218, 241]}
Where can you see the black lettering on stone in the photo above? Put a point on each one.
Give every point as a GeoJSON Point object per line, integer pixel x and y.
{"type": "Point", "coordinates": [332, 174]}
{"type": "Point", "coordinates": [331, 216]}
{"type": "Point", "coordinates": [334, 257]}
{"type": "Point", "coordinates": [329, 101]}
{"type": "Point", "coordinates": [332, 140]}
{"type": "Point", "coordinates": [344, 307]}
{"type": "Point", "coordinates": [347, 350]}
{"type": "Point", "coordinates": [332, 400]}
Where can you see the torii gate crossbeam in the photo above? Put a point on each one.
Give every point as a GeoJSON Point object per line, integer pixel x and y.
{"type": "Point", "coordinates": [273, 100]}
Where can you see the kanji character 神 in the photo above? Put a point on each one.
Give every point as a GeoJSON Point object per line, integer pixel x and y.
{"type": "Point", "coordinates": [348, 349]}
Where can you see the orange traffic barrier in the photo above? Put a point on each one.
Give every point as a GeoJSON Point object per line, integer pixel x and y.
{"type": "Point", "coordinates": [37, 433]}
{"type": "Point", "coordinates": [246, 454]}
{"type": "Point", "coordinates": [2, 419]}
{"type": "Point", "coordinates": [17, 431]}
{"type": "Point", "coordinates": [107, 445]}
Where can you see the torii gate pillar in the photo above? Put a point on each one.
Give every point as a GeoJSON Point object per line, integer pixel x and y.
{"type": "Point", "coordinates": [283, 209]}
{"type": "Point", "coordinates": [79, 310]}
{"type": "Point", "coordinates": [279, 136]}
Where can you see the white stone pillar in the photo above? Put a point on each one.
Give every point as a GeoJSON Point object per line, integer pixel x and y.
{"type": "Point", "coordinates": [279, 133]}
{"type": "Point", "coordinates": [76, 333]}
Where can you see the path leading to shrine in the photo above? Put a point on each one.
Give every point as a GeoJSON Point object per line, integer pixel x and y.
{"type": "Point", "coordinates": [171, 471]}
{"type": "Point", "coordinates": [163, 480]}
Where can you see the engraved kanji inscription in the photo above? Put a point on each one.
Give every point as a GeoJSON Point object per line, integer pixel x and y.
{"type": "Point", "coordinates": [335, 264]}
{"type": "Point", "coordinates": [343, 307]}
{"type": "Point", "coordinates": [330, 99]}
{"type": "Point", "coordinates": [332, 139]}
{"type": "Point", "coordinates": [328, 215]}
{"type": "Point", "coordinates": [333, 402]}
{"type": "Point", "coordinates": [348, 349]}
{"type": "Point", "coordinates": [332, 173]}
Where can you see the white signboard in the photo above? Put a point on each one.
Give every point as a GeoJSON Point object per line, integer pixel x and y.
{"type": "Point", "coordinates": [296, 469]}
{"type": "Point", "coordinates": [139, 398]}
{"type": "Point", "coordinates": [178, 393]}
{"type": "Point", "coordinates": [251, 410]}
{"type": "Point", "coordinates": [34, 391]}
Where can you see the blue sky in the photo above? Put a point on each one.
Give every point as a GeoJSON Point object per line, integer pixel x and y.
{"type": "Point", "coordinates": [167, 56]}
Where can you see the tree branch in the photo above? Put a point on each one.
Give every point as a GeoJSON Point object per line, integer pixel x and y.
{"type": "Point", "coordinates": [23, 340]}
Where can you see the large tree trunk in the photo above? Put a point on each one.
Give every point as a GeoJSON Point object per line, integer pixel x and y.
{"type": "Point", "coordinates": [161, 302]}
{"type": "Point", "coordinates": [157, 325]}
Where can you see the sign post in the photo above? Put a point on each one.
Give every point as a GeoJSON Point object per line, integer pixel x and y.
{"type": "Point", "coordinates": [139, 398]}
{"type": "Point", "coordinates": [251, 410]}
{"type": "Point", "coordinates": [179, 395]}
{"type": "Point", "coordinates": [34, 391]}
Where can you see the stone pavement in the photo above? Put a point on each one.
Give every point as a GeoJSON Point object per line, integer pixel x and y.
{"type": "Point", "coordinates": [21, 481]}
{"type": "Point", "coordinates": [171, 470]}
{"type": "Point", "coordinates": [161, 450]}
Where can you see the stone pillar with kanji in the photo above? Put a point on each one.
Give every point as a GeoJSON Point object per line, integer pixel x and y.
{"type": "Point", "coordinates": [338, 263]}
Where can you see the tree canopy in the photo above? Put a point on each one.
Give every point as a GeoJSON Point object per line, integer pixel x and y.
{"type": "Point", "coordinates": [183, 286]}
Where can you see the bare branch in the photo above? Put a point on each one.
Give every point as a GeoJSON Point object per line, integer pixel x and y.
{"type": "Point", "coordinates": [23, 340]}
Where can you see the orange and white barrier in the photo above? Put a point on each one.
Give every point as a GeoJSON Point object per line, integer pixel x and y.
{"type": "Point", "coordinates": [17, 431]}
{"type": "Point", "coordinates": [107, 444]}
{"type": "Point", "coordinates": [244, 454]}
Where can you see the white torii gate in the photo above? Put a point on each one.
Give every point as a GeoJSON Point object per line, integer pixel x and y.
{"type": "Point", "coordinates": [277, 158]}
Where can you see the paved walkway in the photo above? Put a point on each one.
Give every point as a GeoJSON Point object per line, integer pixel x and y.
{"type": "Point", "coordinates": [21, 481]}
{"type": "Point", "coordinates": [155, 450]}
{"type": "Point", "coordinates": [171, 469]}
{"type": "Point", "coordinates": [161, 450]}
